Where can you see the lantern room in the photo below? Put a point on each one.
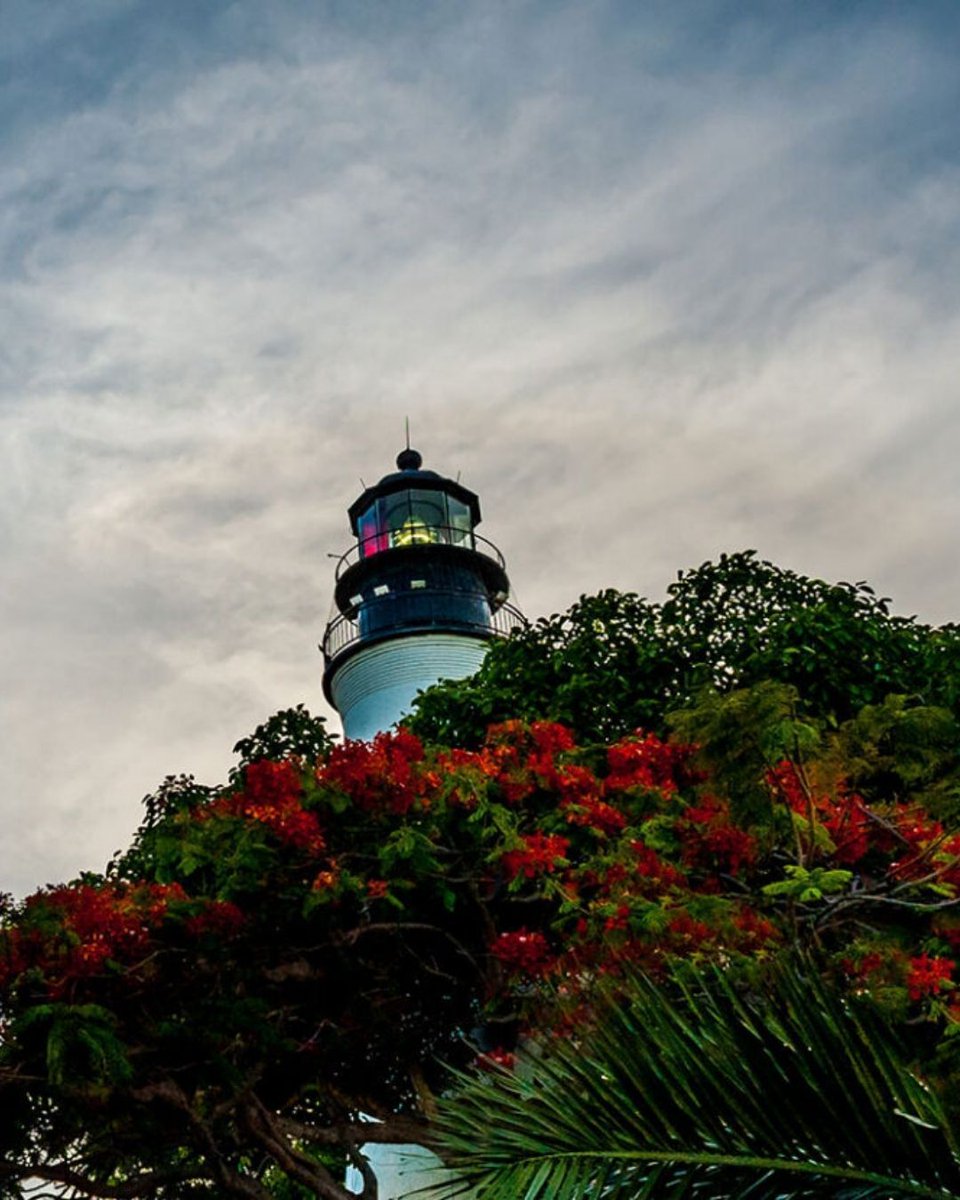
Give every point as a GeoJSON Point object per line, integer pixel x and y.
{"type": "Point", "coordinates": [413, 507]}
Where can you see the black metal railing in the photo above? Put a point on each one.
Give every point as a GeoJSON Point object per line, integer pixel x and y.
{"type": "Point", "coordinates": [383, 617]}
{"type": "Point", "coordinates": [418, 535]}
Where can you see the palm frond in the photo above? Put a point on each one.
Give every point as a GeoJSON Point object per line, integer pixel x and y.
{"type": "Point", "coordinates": [697, 1091]}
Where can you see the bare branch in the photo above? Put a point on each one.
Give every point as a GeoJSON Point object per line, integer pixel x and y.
{"type": "Point", "coordinates": [141, 1185]}
{"type": "Point", "coordinates": [266, 1131]}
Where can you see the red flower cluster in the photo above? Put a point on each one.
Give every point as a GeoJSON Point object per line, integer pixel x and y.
{"type": "Point", "coordinates": [593, 813]}
{"type": "Point", "coordinates": [325, 881]}
{"type": "Point", "coordinates": [863, 967]}
{"type": "Point", "coordinates": [521, 759]}
{"type": "Point", "coordinates": [220, 918]}
{"type": "Point", "coordinates": [656, 875]}
{"type": "Point", "coordinates": [711, 841]}
{"type": "Point", "coordinates": [845, 816]}
{"type": "Point", "coordinates": [73, 931]}
{"type": "Point", "coordinates": [546, 738]}
{"type": "Point", "coordinates": [382, 775]}
{"type": "Point", "coordinates": [689, 933]}
{"type": "Point", "coordinates": [644, 761]}
{"type": "Point", "coordinates": [754, 931]}
{"type": "Point", "coordinates": [272, 795]}
{"type": "Point", "coordinates": [931, 849]}
{"type": "Point", "coordinates": [926, 975]}
{"type": "Point", "coordinates": [523, 951]}
{"type": "Point", "coordinates": [505, 1059]}
{"type": "Point", "coordinates": [541, 854]}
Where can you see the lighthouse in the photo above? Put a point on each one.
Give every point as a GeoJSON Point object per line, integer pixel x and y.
{"type": "Point", "coordinates": [417, 597]}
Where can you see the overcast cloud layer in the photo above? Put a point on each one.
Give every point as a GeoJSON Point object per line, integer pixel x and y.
{"type": "Point", "coordinates": [660, 280]}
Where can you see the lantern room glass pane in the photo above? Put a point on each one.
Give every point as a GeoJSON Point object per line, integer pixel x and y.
{"type": "Point", "coordinates": [371, 534]}
{"type": "Point", "coordinates": [415, 518]}
{"type": "Point", "coordinates": [430, 507]}
{"type": "Point", "coordinates": [459, 522]}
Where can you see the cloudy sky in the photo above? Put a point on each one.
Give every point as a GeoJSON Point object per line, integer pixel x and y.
{"type": "Point", "coordinates": [660, 280]}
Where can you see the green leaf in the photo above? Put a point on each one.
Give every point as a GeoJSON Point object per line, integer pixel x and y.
{"type": "Point", "coordinates": [786, 1093]}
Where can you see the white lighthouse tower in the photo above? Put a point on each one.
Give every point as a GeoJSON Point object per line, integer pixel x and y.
{"type": "Point", "coordinates": [417, 598]}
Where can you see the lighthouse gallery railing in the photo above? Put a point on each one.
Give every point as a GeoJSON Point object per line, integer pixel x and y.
{"type": "Point", "coordinates": [345, 630]}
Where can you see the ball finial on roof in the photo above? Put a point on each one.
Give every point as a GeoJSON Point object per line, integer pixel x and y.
{"type": "Point", "coordinates": [409, 460]}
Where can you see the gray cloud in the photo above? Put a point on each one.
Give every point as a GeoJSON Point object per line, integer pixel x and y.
{"type": "Point", "coordinates": [661, 282]}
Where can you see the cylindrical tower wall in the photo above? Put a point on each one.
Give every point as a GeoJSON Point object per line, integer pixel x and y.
{"type": "Point", "coordinates": [376, 686]}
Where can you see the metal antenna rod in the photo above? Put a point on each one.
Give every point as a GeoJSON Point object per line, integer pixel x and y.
{"type": "Point", "coordinates": [407, 423]}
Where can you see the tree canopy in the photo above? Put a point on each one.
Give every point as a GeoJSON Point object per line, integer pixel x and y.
{"type": "Point", "coordinates": [616, 662]}
{"type": "Point", "coordinates": [330, 933]}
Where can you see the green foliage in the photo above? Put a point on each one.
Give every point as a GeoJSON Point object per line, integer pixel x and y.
{"type": "Point", "coordinates": [311, 941]}
{"type": "Point", "coordinates": [902, 747]}
{"type": "Point", "coordinates": [743, 733]}
{"type": "Point", "coordinates": [601, 668]}
{"type": "Point", "coordinates": [807, 886]}
{"type": "Point", "coordinates": [838, 644]}
{"type": "Point", "coordinates": [616, 662]}
{"type": "Point", "coordinates": [699, 1089]}
{"type": "Point", "coordinates": [290, 733]}
{"type": "Point", "coordinates": [82, 1050]}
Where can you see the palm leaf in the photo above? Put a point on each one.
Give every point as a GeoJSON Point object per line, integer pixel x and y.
{"type": "Point", "coordinates": [695, 1091]}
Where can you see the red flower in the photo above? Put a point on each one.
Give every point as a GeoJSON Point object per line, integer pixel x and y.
{"type": "Point", "coordinates": [74, 931]}
{"type": "Point", "coordinates": [755, 931]}
{"type": "Point", "coordinates": [504, 1059]}
{"type": "Point", "coordinates": [382, 775]}
{"type": "Point", "coordinates": [710, 839]}
{"type": "Point", "coordinates": [845, 817]}
{"type": "Point", "coordinates": [540, 854]}
{"type": "Point", "coordinates": [689, 932]}
{"type": "Point", "coordinates": [220, 917]}
{"type": "Point", "coordinates": [523, 951]}
{"type": "Point", "coordinates": [593, 813]}
{"type": "Point", "coordinates": [648, 866]}
{"type": "Point", "coordinates": [784, 780]}
{"type": "Point", "coordinates": [644, 761]}
{"type": "Point", "coordinates": [926, 974]}
{"type": "Point", "coordinates": [272, 796]}
{"type": "Point", "coordinates": [619, 919]}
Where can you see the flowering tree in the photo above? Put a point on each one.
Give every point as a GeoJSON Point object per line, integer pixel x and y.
{"type": "Point", "coordinates": [327, 934]}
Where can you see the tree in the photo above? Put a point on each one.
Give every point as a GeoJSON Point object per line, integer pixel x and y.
{"type": "Point", "coordinates": [616, 662]}
{"type": "Point", "coordinates": [319, 940]}
{"type": "Point", "coordinates": [335, 928]}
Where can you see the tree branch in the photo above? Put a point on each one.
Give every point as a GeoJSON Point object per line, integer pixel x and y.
{"type": "Point", "coordinates": [223, 1173]}
{"type": "Point", "coordinates": [142, 1185]}
{"type": "Point", "coordinates": [391, 1130]}
{"type": "Point", "coordinates": [266, 1131]}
